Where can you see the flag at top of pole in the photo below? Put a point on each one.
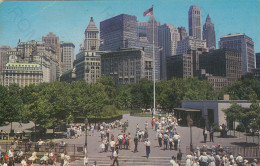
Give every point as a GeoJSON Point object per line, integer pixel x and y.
{"type": "Point", "coordinates": [148, 12]}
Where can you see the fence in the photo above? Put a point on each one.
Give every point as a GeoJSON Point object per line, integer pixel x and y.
{"type": "Point", "coordinates": [72, 149]}
{"type": "Point", "coordinates": [247, 152]}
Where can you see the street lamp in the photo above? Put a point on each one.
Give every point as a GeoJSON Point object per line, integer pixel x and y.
{"type": "Point", "coordinates": [191, 146]}
{"type": "Point", "coordinates": [86, 134]}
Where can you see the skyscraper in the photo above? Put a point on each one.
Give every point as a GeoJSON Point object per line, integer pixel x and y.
{"type": "Point", "coordinates": [182, 32]}
{"type": "Point", "coordinates": [149, 30]}
{"type": "Point", "coordinates": [122, 32]}
{"type": "Point", "coordinates": [52, 41]}
{"type": "Point", "coordinates": [195, 22]}
{"type": "Point", "coordinates": [167, 39]}
{"type": "Point", "coordinates": [245, 45]}
{"type": "Point", "coordinates": [67, 55]}
{"type": "Point", "coordinates": [118, 32]}
{"type": "Point", "coordinates": [3, 60]}
{"type": "Point", "coordinates": [91, 41]}
{"type": "Point", "coordinates": [209, 33]}
{"type": "Point", "coordinates": [257, 59]}
{"type": "Point", "coordinates": [190, 43]}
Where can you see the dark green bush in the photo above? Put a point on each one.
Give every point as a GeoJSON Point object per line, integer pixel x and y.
{"type": "Point", "coordinates": [241, 128]}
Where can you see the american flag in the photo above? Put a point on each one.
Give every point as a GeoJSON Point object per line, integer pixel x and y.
{"type": "Point", "coordinates": [148, 12]}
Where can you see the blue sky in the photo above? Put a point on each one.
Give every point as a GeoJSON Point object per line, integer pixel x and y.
{"type": "Point", "coordinates": [28, 20]}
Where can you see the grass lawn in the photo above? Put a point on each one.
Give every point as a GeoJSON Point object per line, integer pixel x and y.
{"type": "Point", "coordinates": [146, 115]}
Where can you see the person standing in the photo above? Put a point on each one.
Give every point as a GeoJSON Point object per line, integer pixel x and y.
{"type": "Point", "coordinates": [147, 144]}
{"type": "Point", "coordinates": [254, 163]}
{"type": "Point", "coordinates": [28, 146]}
{"type": "Point", "coordinates": [204, 159]}
{"type": "Point", "coordinates": [66, 159]}
{"type": "Point", "coordinates": [136, 143]}
{"type": "Point", "coordinates": [165, 141]}
{"type": "Point", "coordinates": [23, 162]}
{"type": "Point", "coordinates": [179, 155]}
{"type": "Point", "coordinates": [129, 141]}
{"type": "Point", "coordinates": [239, 160]}
{"type": "Point", "coordinates": [205, 134]}
{"type": "Point", "coordinates": [211, 133]}
{"type": "Point", "coordinates": [160, 138]}
{"type": "Point", "coordinates": [86, 160]}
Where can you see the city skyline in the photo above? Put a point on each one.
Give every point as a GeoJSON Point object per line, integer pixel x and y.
{"type": "Point", "coordinates": [17, 22]}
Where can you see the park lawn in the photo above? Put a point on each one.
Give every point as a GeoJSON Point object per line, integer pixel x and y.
{"type": "Point", "coordinates": [146, 115]}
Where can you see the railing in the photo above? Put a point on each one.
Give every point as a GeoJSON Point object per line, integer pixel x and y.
{"type": "Point", "coordinates": [72, 149]}
{"type": "Point", "coordinates": [247, 152]}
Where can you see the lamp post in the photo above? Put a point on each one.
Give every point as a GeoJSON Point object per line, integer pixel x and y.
{"type": "Point", "coordinates": [86, 134]}
{"type": "Point", "coordinates": [191, 146]}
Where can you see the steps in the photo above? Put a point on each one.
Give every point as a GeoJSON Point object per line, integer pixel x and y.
{"type": "Point", "coordinates": [126, 161]}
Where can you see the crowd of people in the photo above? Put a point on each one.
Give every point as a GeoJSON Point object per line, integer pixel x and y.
{"type": "Point", "coordinates": [30, 156]}
{"type": "Point", "coordinates": [164, 128]}
{"type": "Point", "coordinates": [212, 156]}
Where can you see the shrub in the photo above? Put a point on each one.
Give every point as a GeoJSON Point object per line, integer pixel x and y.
{"type": "Point", "coordinates": [241, 128]}
{"type": "Point", "coordinates": [215, 127]}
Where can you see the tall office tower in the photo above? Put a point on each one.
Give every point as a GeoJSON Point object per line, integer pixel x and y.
{"type": "Point", "coordinates": [3, 60]}
{"type": "Point", "coordinates": [167, 40]}
{"type": "Point", "coordinates": [209, 33]}
{"type": "Point", "coordinates": [126, 65]}
{"type": "Point", "coordinates": [195, 22]}
{"type": "Point", "coordinates": [222, 62]}
{"type": "Point", "coordinates": [182, 32]}
{"type": "Point", "coordinates": [180, 66]}
{"type": "Point", "coordinates": [190, 43]}
{"type": "Point", "coordinates": [245, 45]}
{"type": "Point", "coordinates": [26, 49]}
{"type": "Point", "coordinates": [121, 32]}
{"type": "Point", "coordinates": [88, 66]}
{"type": "Point", "coordinates": [118, 32]}
{"type": "Point", "coordinates": [67, 55]}
{"type": "Point", "coordinates": [257, 59]}
{"type": "Point", "coordinates": [51, 40]}
{"type": "Point", "coordinates": [149, 30]}
{"type": "Point", "coordinates": [91, 41]}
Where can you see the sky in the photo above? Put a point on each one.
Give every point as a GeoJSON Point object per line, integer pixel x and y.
{"type": "Point", "coordinates": [30, 20]}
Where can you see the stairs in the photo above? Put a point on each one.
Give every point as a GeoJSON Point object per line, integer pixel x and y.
{"type": "Point", "coordinates": [126, 161]}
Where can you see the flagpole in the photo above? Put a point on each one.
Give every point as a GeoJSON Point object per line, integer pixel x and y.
{"type": "Point", "coordinates": [153, 71]}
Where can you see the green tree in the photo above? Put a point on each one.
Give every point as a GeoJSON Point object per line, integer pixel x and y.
{"type": "Point", "coordinates": [13, 105]}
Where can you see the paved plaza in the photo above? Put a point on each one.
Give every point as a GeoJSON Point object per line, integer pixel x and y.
{"type": "Point", "coordinates": [158, 155]}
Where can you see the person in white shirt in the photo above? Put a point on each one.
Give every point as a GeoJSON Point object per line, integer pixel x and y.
{"type": "Point", "coordinates": [112, 145]}
{"type": "Point", "coordinates": [173, 161]}
{"type": "Point", "coordinates": [239, 160]}
{"type": "Point", "coordinates": [86, 160]}
{"type": "Point", "coordinates": [188, 160]}
{"type": "Point", "coordinates": [23, 163]}
{"type": "Point", "coordinates": [66, 159]}
{"type": "Point", "coordinates": [19, 155]}
{"type": "Point", "coordinates": [147, 144]}
{"type": "Point", "coordinates": [115, 157]}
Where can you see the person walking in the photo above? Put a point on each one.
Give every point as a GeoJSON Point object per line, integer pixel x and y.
{"type": "Point", "coordinates": [173, 161]}
{"type": "Point", "coordinates": [211, 133]}
{"type": "Point", "coordinates": [136, 143]}
{"type": "Point", "coordinates": [205, 134]}
{"type": "Point", "coordinates": [147, 144]}
{"type": "Point", "coordinates": [115, 157]}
